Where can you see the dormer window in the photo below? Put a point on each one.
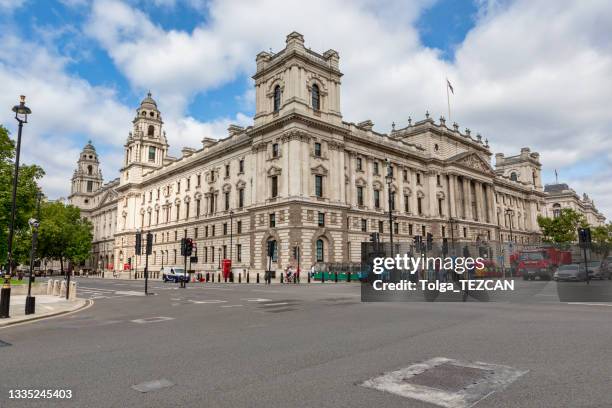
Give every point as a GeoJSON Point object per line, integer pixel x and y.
{"type": "Point", "coordinates": [513, 176]}
{"type": "Point", "coordinates": [316, 98]}
{"type": "Point", "coordinates": [277, 98]}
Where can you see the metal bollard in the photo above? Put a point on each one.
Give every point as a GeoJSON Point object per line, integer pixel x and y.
{"type": "Point", "coordinates": [231, 276]}
{"type": "Point", "coordinates": [322, 277]}
{"type": "Point", "coordinates": [247, 277]}
{"type": "Point", "coordinates": [239, 278]}
{"type": "Point", "coordinates": [348, 277]}
{"type": "Point", "coordinates": [308, 277]}
{"type": "Point", "coordinates": [281, 277]}
{"type": "Point", "coordinates": [224, 278]}
{"type": "Point", "coordinates": [257, 277]}
{"type": "Point", "coordinates": [335, 277]}
{"type": "Point", "coordinates": [207, 276]}
{"type": "Point", "coordinates": [5, 298]}
{"type": "Point", "coordinates": [213, 277]}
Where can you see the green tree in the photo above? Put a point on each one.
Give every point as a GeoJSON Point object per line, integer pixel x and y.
{"type": "Point", "coordinates": [562, 229]}
{"type": "Point", "coordinates": [63, 234]}
{"type": "Point", "coordinates": [27, 189]}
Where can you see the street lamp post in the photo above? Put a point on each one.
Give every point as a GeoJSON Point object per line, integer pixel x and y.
{"type": "Point", "coordinates": [21, 115]}
{"type": "Point", "coordinates": [452, 221]}
{"type": "Point", "coordinates": [389, 179]}
{"type": "Point", "coordinates": [510, 213]}
{"type": "Point", "coordinates": [30, 305]}
{"type": "Point", "coordinates": [231, 214]}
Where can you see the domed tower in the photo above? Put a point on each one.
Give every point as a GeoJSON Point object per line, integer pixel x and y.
{"type": "Point", "coordinates": [146, 146]}
{"type": "Point", "coordinates": [87, 178]}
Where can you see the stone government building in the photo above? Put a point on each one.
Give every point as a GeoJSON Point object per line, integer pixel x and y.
{"type": "Point", "coordinates": [302, 177]}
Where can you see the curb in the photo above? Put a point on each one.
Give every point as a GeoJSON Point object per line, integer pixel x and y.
{"type": "Point", "coordinates": [88, 303]}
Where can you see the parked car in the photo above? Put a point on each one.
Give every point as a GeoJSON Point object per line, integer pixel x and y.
{"type": "Point", "coordinates": [599, 270]}
{"type": "Point", "coordinates": [172, 274]}
{"type": "Point", "coordinates": [571, 272]}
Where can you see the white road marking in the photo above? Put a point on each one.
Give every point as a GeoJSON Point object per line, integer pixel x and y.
{"type": "Point", "coordinates": [276, 304]}
{"type": "Point", "coordinates": [590, 304]}
{"type": "Point", "coordinates": [232, 305]}
{"type": "Point", "coordinates": [152, 319]}
{"type": "Point", "coordinates": [198, 302]}
{"type": "Point", "coordinates": [257, 300]}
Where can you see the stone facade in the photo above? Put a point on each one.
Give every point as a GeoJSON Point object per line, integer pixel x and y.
{"type": "Point", "coordinates": [302, 177]}
{"type": "Point", "coordinates": [560, 196]}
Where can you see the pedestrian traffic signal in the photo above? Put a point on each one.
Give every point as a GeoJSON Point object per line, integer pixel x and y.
{"type": "Point", "coordinates": [584, 236]}
{"type": "Point", "coordinates": [138, 243]}
{"type": "Point", "coordinates": [183, 244]}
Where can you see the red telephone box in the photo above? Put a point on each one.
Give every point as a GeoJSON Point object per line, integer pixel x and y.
{"type": "Point", "coordinates": [226, 266]}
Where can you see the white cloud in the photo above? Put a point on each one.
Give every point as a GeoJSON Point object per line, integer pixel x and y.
{"type": "Point", "coordinates": [530, 73]}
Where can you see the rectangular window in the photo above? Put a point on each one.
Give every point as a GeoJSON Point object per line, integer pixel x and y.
{"type": "Point", "coordinates": [440, 207]}
{"type": "Point", "coordinates": [151, 153]}
{"type": "Point", "coordinates": [376, 198]}
{"type": "Point", "coordinates": [364, 225]}
{"type": "Point", "coordinates": [464, 232]}
{"type": "Point", "coordinates": [272, 218]}
{"type": "Point", "coordinates": [396, 228]}
{"type": "Point", "coordinates": [444, 232]}
{"type": "Point", "coordinates": [392, 201]}
{"type": "Point", "coordinates": [187, 206]}
{"type": "Point", "coordinates": [206, 231]}
{"type": "Point", "coordinates": [241, 198]}
{"type": "Point", "coordinates": [319, 186]}
{"type": "Point", "coordinates": [239, 253]}
{"type": "Point", "coordinates": [89, 186]}
{"type": "Point", "coordinates": [227, 170]}
{"type": "Point", "coordinates": [212, 254]}
{"type": "Point", "coordinates": [175, 256]}
{"type": "Point", "coordinates": [418, 176]}
{"type": "Point", "coordinates": [321, 219]}
{"type": "Point", "coordinates": [178, 211]}
{"type": "Point", "coordinates": [239, 227]}
{"type": "Point", "coordinates": [359, 164]}
{"type": "Point", "coordinates": [423, 230]}
{"type": "Point", "coordinates": [359, 195]}
{"type": "Point", "coordinates": [406, 203]}
{"type": "Point", "coordinates": [241, 166]}
{"type": "Point", "coordinates": [195, 232]}
{"type": "Point", "coordinates": [188, 182]}
{"type": "Point", "coordinates": [410, 229]}
{"type": "Point", "coordinates": [376, 168]}
{"type": "Point", "coordinates": [274, 182]}
{"type": "Point", "coordinates": [317, 149]}
{"type": "Point", "coordinates": [178, 186]}
{"type": "Point", "coordinates": [199, 180]}
{"type": "Point", "coordinates": [212, 231]}
{"type": "Point", "coordinates": [224, 228]}
{"type": "Point", "coordinates": [381, 227]}
{"type": "Point", "coordinates": [275, 150]}
{"type": "Point", "coordinates": [197, 208]}
{"type": "Point", "coordinates": [438, 183]}
{"type": "Point", "coordinates": [420, 205]}
{"type": "Point", "coordinates": [226, 197]}
{"type": "Point", "coordinates": [405, 175]}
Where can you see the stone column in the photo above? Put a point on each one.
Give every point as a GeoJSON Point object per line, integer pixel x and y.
{"type": "Point", "coordinates": [480, 204]}
{"type": "Point", "coordinates": [467, 202]}
{"type": "Point", "coordinates": [452, 197]}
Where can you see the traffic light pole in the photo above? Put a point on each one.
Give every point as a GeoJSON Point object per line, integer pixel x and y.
{"type": "Point", "coordinates": [146, 273]}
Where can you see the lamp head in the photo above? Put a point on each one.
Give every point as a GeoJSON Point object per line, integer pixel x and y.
{"type": "Point", "coordinates": [21, 110]}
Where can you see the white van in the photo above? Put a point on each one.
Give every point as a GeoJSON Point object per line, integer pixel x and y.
{"type": "Point", "coordinates": [174, 274]}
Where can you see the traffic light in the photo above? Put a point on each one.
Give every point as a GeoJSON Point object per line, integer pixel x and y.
{"type": "Point", "coordinates": [374, 237]}
{"type": "Point", "coordinates": [584, 236]}
{"type": "Point", "coordinates": [429, 241]}
{"type": "Point", "coordinates": [183, 246]}
{"type": "Point", "coordinates": [138, 243]}
{"type": "Point", "coordinates": [149, 248]}
{"type": "Point", "coordinates": [188, 246]}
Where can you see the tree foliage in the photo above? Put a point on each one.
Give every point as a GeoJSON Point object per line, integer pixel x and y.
{"type": "Point", "coordinates": [27, 189]}
{"type": "Point", "coordinates": [562, 229]}
{"type": "Point", "coordinates": [63, 234]}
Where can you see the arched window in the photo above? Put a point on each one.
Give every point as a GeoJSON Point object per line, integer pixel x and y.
{"type": "Point", "coordinates": [316, 98]}
{"type": "Point", "coordinates": [513, 176]}
{"type": "Point", "coordinates": [151, 130]}
{"type": "Point", "coordinates": [89, 169]}
{"type": "Point", "coordinates": [320, 248]}
{"type": "Point", "coordinates": [556, 210]}
{"type": "Point", "coordinates": [277, 98]}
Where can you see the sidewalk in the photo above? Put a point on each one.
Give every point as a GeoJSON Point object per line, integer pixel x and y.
{"type": "Point", "coordinates": [46, 306]}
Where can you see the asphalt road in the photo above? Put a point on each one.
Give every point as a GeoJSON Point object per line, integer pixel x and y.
{"type": "Point", "coordinates": [231, 345]}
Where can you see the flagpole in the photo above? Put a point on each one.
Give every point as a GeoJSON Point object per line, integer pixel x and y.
{"type": "Point", "coordinates": [448, 102]}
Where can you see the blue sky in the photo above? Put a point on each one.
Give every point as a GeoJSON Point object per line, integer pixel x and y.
{"type": "Point", "coordinates": [86, 64]}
